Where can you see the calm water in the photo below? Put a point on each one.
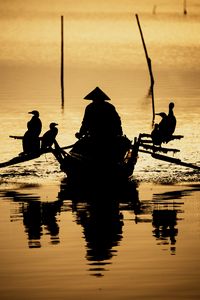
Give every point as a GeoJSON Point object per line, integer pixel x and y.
{"type": "Point", "coordinates": [137, 243]}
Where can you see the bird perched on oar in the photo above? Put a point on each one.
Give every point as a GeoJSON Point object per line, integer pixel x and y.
{"type": "Point", "coordinates": [49, 136]}
{"type": "Point", "coordinates": [165, 129]}
{"type": "Point", "coordinates": [34, 125]}
{"type": "Point", "coordinates": [30, 140]}
{"type": "Point", "coordinates": [171, 119]}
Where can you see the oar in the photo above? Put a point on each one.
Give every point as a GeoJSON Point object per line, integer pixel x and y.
{"type": "Point", "coordinates": [150, 69]}
{"type": "Point", "coordinates": [174, 161]}
{"type": "Point", "coordinates": [17, 137]}
{"type": "Point", "coordinates": [171, 159]}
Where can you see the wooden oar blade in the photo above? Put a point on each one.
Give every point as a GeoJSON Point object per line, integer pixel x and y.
{"type": "Point", "coordinates": [174, 161]}
{"type": "Point", "coordinates": [18, 159]}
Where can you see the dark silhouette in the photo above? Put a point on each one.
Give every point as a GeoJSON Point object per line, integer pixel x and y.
{"type": "Point", "coordinates": [171, 119]}
{"type": "Point", "coordinates": [39, 217]}
{"type": "Point", "coordinates": [48, 139]}
{"type": "Point", "coordinates": [163, 125]}
{"type": "Point", "coordinates": [99, 213]}
{"type": "Point", "coordinates": [31, 141]}
{"type": "Point", "coordinates": [101, 132]}
{"type": "Point", "coordinates": [156, 135]}
{"type": "Point", "coordinates": [100, 119]}
{"type": "Point", "coordinates": [165, 231]}
{"type": "Point", "coordinates": [162, 132]}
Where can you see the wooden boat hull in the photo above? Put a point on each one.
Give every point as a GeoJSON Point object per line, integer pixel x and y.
{"type": "Point", "coordinates": [82, 169]}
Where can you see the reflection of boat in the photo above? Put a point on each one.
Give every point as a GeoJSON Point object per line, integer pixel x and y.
{"type": "Point", "coordinates": [100, 214]}
{"type": "Point", "coordinates": [103, 216]}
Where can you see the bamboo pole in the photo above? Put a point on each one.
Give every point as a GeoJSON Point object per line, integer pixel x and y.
{"type": "Point", "coordinates": [62, 62]}
{"type": "Point", "coordinates": [150, 68]}
{"type": "Point", "coordinates": [184, 7]}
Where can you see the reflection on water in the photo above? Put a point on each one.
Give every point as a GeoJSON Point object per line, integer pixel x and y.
{"type": "Point", "coordinates": [100, 213]}
{"type": "Point", "coordinates": [35, 216]}
{"type": "Point", "coordinates": [167, 208]}
{"type": "Point", "coordinates": [39, 218]}
{"type": "Point", "coordinates": [101, 216]}
{"type": "Point", "coordinates": [165, 231]}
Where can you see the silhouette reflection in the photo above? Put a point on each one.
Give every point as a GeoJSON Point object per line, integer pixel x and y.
{"type": "Point", "coordinates": [102, 228]}
{"type": "Point", "coordinates": [39, 218]}
{"type": "Point", "coordinates": [99, 212]}
{"type": "Point", "coordinates": [166, 208]}
{"type": "Point", "coordinates": [165, 231]}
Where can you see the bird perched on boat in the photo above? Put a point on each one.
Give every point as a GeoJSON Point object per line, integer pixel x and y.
{"type": "Point", "coordinates": [167, 125]}
{"type": "Point", "coordinates": [171, 119]}
{"type": "Point", "coordinates": [163, 124]}
{"type": "Point", "coordinates": [30, 140]}
{"type": "Point", "coordinates": [35, 124]}
{"type": "Point", "coordinates": [156, 136]}
{"type": "Point", "coordinates": [49, 136]}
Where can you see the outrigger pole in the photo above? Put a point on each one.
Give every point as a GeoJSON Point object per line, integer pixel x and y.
{"type": "Point", "coordinates": [150, 69]}
{"type": "Point", "coordinates": [151, 149]}
{"type": "Point", "coordinates": [172, 160]}
{"type": "Point", "coordinates": [58, 152]}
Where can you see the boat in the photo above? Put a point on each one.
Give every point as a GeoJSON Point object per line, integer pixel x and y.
{"type": "Point", "coordinates": [105, 166]}
{"type": "Point", "coordinates": [104, 162]}
{"type": "Point", "coordinates": [88, 161]}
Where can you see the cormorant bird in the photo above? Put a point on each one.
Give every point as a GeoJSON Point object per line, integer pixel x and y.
{"type": "Point", "coordinates": [35, 124]}
{"type": "Point", "coordinates": [171, 119]}
{"type": "Point", "coordinates": [163, 123]}
{"type": "Point", "coordinates": [49, 136]}
{"type": "Point", "coordinates": [156, 136]}
{"type": "Point", "coordinates": [167, 125]}
{"type": "Point", "coordinates": [31, 141]}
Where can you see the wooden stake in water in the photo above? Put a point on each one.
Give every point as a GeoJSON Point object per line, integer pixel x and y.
{"type": "Point", "coordinates": [150, 68]}
{"type": "Point", "coordinates": [184, 7]}
{"type": "Point", "coordinates": [62, 62]}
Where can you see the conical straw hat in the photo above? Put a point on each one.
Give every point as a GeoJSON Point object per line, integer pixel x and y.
{"type": "Point", "coordinates": [98, 94]}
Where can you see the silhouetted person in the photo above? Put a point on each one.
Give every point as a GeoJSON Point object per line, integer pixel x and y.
{"type": "Point", "coordinates": [49, 137]}
{"type": "Point", "coordinates": [31, 141]}
{"type": "Point", "coordinates": [100, 119]}
{"type": "Point", "coordinates": [101, 132]}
